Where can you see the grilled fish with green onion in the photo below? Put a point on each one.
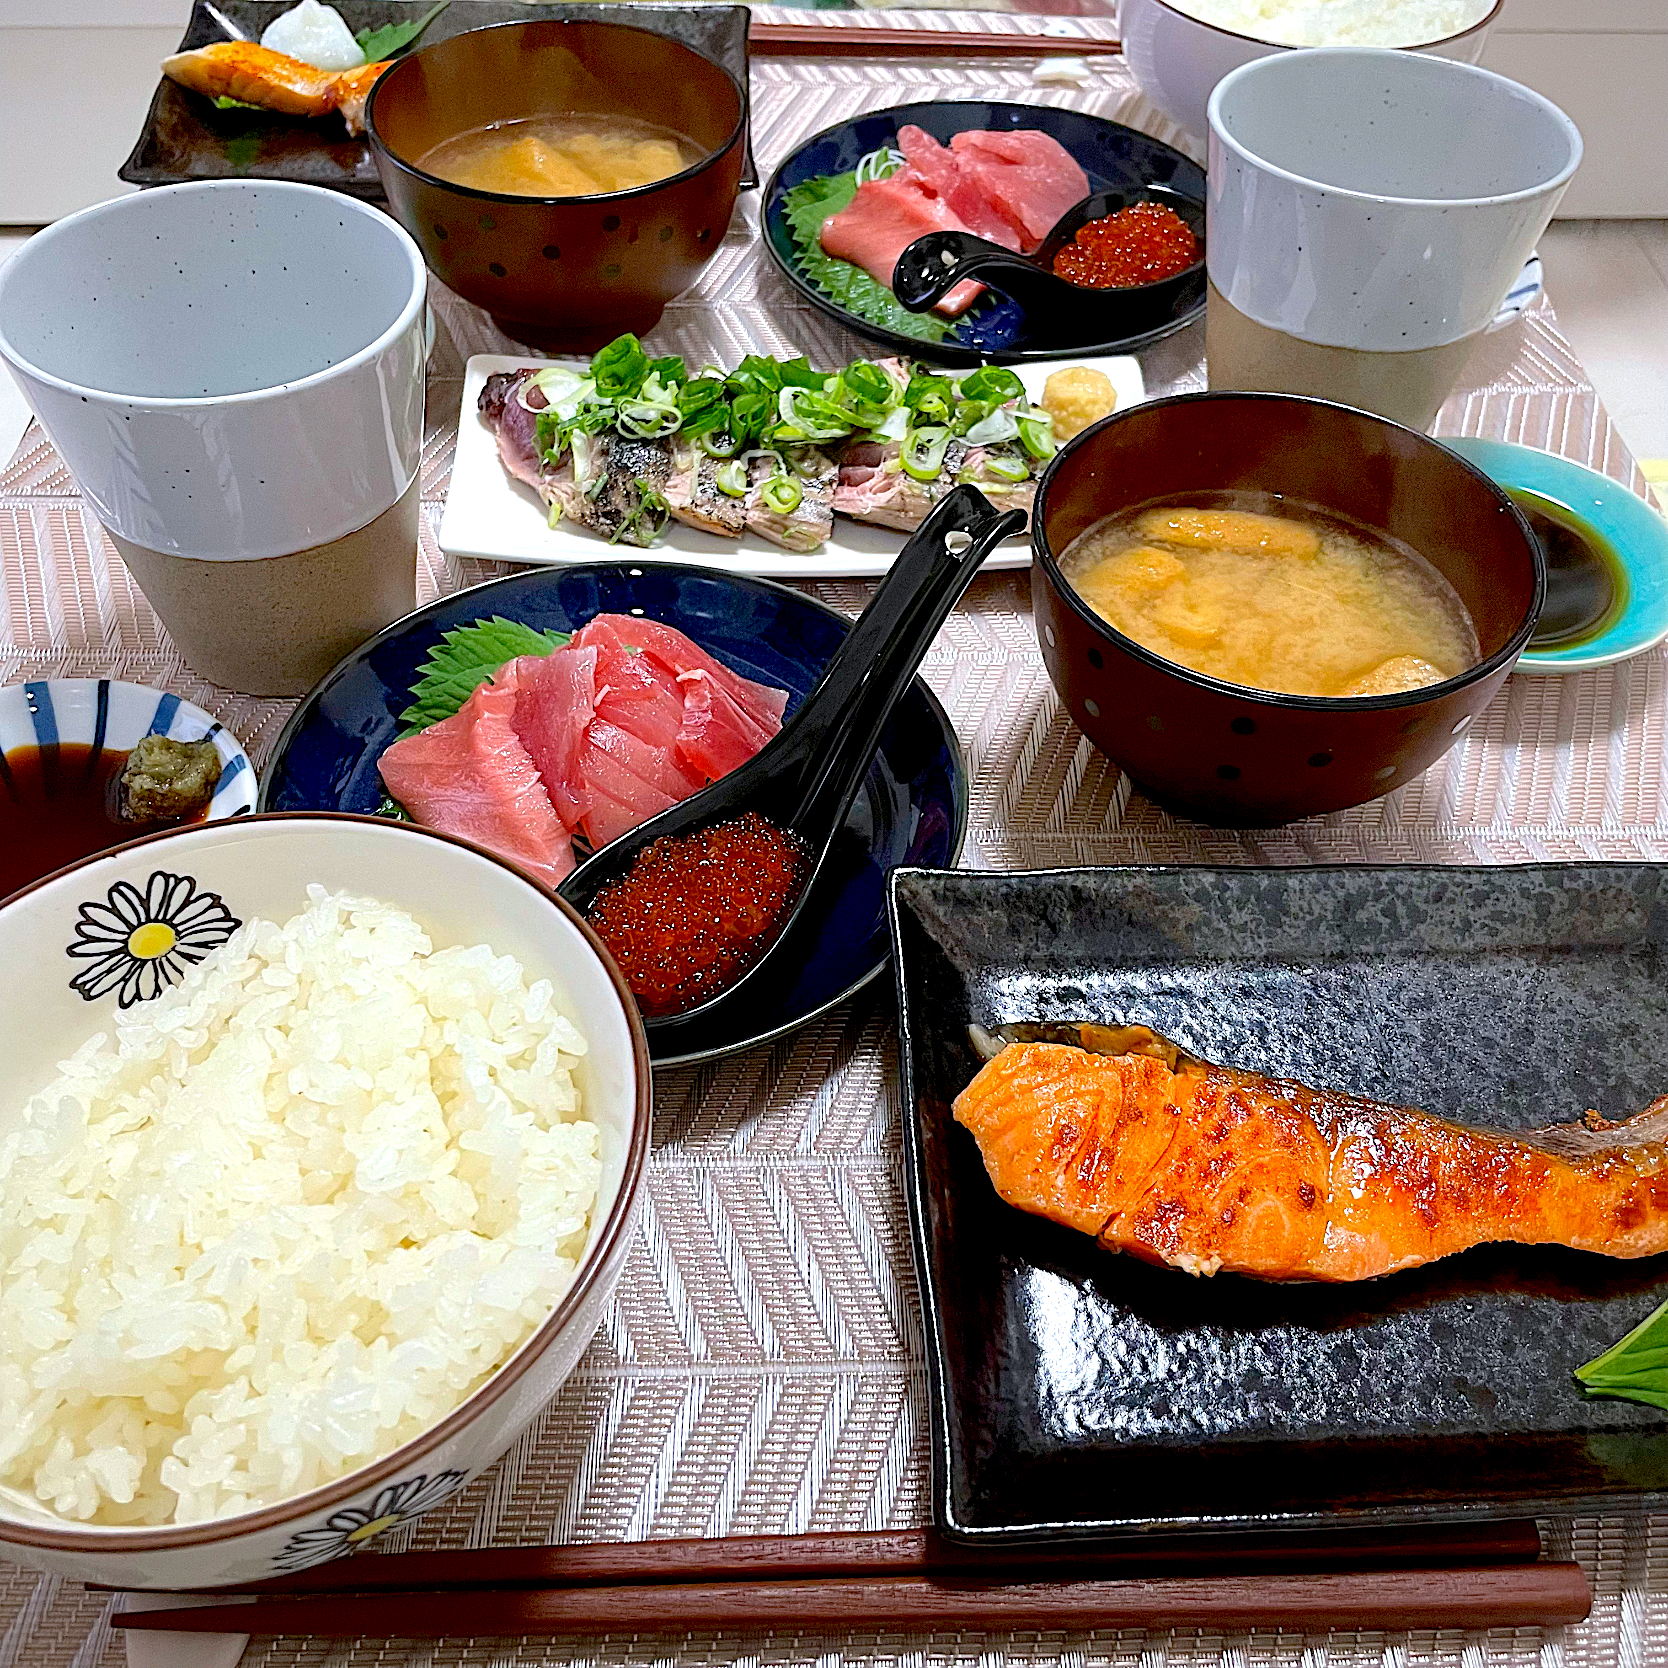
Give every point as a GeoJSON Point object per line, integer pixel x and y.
{"type": "Point", "coordinates": [773, 446]}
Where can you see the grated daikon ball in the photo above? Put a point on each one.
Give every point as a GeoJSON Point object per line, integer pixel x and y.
{"type": "Point", "coordinates": [316, 35]}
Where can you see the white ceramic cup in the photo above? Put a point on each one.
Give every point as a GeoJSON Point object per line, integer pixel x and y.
{"type": "Point", "coordinates": [1368, 211]}
{"type": "Point", "coordinates": [233, 372]}
{"type": "Point", "coordinates": [1177, 59]}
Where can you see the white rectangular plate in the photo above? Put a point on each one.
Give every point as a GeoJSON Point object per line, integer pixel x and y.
{"type": "Point", "coordinates": [496, 518]}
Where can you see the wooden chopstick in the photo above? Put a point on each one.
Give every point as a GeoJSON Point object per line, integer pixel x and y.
{"type": "Point", "coordinates": [1514, 1595]}
{"type": "Point", "coordinates": [901, 1552]}
{"type": "Point", "coordinates": [795, 40]}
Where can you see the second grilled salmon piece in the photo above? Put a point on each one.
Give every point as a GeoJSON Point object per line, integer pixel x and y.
{"type": "Point", "coordinates": [1206, 1168]}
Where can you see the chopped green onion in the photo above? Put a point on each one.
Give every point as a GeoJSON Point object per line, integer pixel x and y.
{"type": "Point", "coordinates": [878, 165]}
{"type": "Point", "coordinates": [923, 453]}
{"type": "Point", "coordinates": [1004, 466]}
{"type": "Point", "coordinates": [993, 383]}
{"type": "Point", "coordinates": [720, 443]}
{"type": "Point", "coordinates": [782, 494]}
{"type": "Point", "coordinates": [731, 478]}
{"type": "Point", "coordinates": [1000, 425]}
{"type": "Point", "coordinates": [1036, 434]}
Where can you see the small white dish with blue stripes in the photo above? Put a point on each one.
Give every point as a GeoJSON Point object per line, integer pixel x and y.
{"type": "Point", "coordinates": [109, 716]}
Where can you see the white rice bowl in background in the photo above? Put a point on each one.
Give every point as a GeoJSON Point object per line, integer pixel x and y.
{"type": "Point", "coordinates": [304, 1235]}
{"type": "Point", "coordinates": [1340, 22]}
{"type": "Point", "coordinates": [284, 1217]}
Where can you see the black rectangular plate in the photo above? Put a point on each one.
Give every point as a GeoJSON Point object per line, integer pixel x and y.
{"type": "Point", "coordinates": [186, 138]}
{"type": "Point", "coordinates": [1079, 1393]}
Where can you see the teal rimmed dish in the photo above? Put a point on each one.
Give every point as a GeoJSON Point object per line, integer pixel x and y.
{"type": "Point", "coordinates": [1622, 519]}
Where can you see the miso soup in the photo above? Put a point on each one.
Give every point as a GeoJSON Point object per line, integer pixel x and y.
{"type": "Point", "coordinates": [561, 156]}
{"type": "Point", "coordinates": [1259, 590]}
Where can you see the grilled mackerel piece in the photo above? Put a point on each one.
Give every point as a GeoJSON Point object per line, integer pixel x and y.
{"type": "Point", "coordinates": [807, 526]}
{"type": "Point", "coordinates": [874, 487]}
{"type": "Point", "coordinates": [693, 497]}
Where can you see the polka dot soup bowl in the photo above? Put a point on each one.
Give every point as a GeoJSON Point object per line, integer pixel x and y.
{"type": "Point", "coordinates": [1241, 757]}
{"type": "Point", "coordinates": [180, 896]}
{"type": "Point", "coordinates": [567, 273]}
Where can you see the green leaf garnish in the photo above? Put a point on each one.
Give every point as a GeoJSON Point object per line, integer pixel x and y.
{"type": "Point", "coordinates": [378, 44]}
{"type": "Point", "coordinates": [463, 660]}
{"type": "Point", "coordinates": [805, 208]}
{"type": "Point", "coordinates": [391, 808]}
{"type": "Point", "coordinates": [1636, 1368]}
{"type": "Point", "coordinates": [223, 103]}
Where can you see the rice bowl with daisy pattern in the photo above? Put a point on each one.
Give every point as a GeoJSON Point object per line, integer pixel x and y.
{"type": "Point", "coordinates": [320, 1148]}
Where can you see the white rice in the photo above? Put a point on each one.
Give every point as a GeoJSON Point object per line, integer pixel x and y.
{"type": "Point", "coordinates": [1340, 22]}
{"type": "Point", "coordinates": [288, 1217]}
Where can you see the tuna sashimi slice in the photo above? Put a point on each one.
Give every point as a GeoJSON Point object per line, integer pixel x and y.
{"type": "Point", "coordinates": [677, 654]}
{"type": "Point", "coordinates": [556, 699]}
{"type": "Point", "coordinates": [883, 219]}
{"type": "Point", "coordinates": [1028, 177]}
{"type": "Point", "coordinates": [718, 732]}
{"type": "Point", "coordinates": [942, 170]}
{"type": "Point", "coordinates": [620, 795]}
{"type": "Point", "coordinates": [471, 776]}
{"type": "Point", "coordinates": [634, 690]}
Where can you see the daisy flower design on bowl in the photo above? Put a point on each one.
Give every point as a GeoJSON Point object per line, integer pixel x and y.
{"type": "Point", "coordinates": [140, 942]}
{"type": "Point", "coordinates": [349, 1529]}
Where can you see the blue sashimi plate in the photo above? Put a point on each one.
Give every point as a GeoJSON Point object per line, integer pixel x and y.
{"type": "Point", "coordinates": [1622, 519]}
{"type": "Point", "coordinates": [1111, 155]}
{"type": "Point", "coordinates": [912, 809]}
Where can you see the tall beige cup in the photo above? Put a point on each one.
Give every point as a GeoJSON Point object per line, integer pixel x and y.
{"type": "Point", "coordinates": [233, 372]}
{"type": "Point", "coordinates": [1368, 212]}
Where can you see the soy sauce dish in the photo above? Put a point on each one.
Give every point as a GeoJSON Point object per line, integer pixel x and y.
{"type": "Point", "coordinates": [1606, 551]}
{"type": "Point", "coordinates": [1244, 756]}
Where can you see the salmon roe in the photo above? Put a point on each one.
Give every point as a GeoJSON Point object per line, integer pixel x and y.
{"type": "Point", "coordinates": [1137, 245]}
{"type": "Point", "coordinates": [695, 911]}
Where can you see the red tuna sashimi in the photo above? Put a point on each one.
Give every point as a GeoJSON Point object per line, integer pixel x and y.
{"type": "Point", "coordinates": [635, 690]}
{"type": "Point", "coordinates": [677, 654]}
{"type": "Point", "coordinates": [556, 699]}
{"type": "Point", "coordinates": [883, 219]}
{"type": "Point", "coordinates": [628, 781]}
{"type": "Point", "coordinates": [1029, 177]}
{"type": "Point", "coordinates": [941, 169]}
{"type": "Point", "coordinates": [471, 776]}
{"type": "Point", "coordinates": [718, 732]}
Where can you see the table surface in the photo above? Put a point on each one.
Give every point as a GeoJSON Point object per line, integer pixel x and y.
{"type": "Point", "coordinates": [761, 1369]}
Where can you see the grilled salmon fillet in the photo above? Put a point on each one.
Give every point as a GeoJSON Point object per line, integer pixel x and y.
{"type": "Point", "coordinates": [1206, 1168]}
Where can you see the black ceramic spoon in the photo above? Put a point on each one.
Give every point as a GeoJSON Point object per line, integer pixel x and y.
{"type": "Point", "coordinates": [806, 777]}
{"type": "Point", "coordinates": [1055, 309]}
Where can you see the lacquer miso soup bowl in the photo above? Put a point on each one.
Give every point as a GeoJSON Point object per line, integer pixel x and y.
{"type": "Point", "coordinates": [564, 273]}
{"type": "Point", "coordinates": [1242, 757]}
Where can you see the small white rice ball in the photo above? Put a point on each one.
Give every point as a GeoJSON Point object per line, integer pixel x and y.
{"type": "Point", "coordinates": [316, 35]}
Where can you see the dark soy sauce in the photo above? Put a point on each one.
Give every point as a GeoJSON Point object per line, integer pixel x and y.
{"type": "Point", "coordinates": [1586, 584]}
{"type": "Point", "coordinates": [57, 804]}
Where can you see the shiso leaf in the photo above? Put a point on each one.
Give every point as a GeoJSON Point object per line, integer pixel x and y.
{"type": "Point", "coordinates": [805, 207]}
{"type": "Point", "coordinates": [1634, 1369]}
{"type": "Point", "coordinates": [378, 44]}
{"type": "Point", "coordinates": [224, 103]}
{"type": "Point", "coordinates": [463, 660]}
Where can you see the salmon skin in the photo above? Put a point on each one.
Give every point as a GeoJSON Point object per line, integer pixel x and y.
{"type": "Point", "coordinates": [1125, 1137]}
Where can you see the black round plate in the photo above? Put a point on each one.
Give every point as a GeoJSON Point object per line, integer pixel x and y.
{"type": "Point", "coordinates": [1113, 156]}
{"type": "Point", "coordinates": [912, 808]}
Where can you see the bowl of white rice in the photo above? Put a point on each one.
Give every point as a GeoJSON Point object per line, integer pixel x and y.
{"type": "Point", "coordinates": [321, 1146]}
{"type": "Point", "coordinates": [1179, 49]}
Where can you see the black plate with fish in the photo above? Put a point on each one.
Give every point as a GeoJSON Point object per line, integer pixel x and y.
{"type": "Point", "coordinates": [912, 807]}
{"type": "Point", "coordinates": [186, 137]}
{"type": "Point", "coordinates": [1079, 1393]}
{"type": "Point", "coordinates": [1113, 157]}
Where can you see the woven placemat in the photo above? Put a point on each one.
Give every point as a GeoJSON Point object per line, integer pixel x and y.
{"type": "Point", "coordinates": [761, 1369]}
